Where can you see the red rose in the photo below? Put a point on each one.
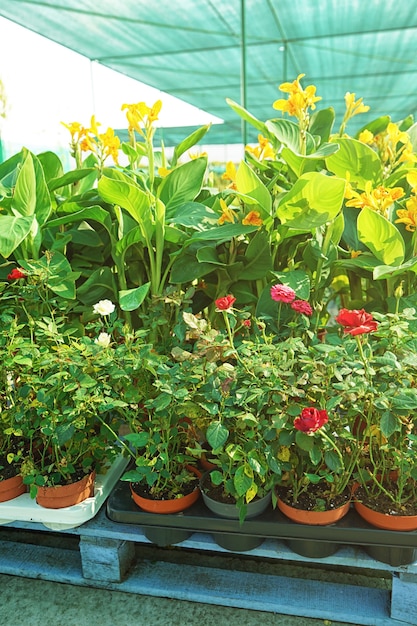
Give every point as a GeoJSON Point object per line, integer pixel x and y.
{"type": "Point", "coordinates": [302, 306]}
{"type": "Point", "coordinates": [282, 293]}
{"type": "Point", "coordinates": [222, 304]}
{"type": "Point", "coordinates": [16, 274]}
{"type": "Point", "coordinates": [356, 322]}
{"type": "Point", "coordinates": [247, 323]}
{"type": "Point", "coordinates": [310, 420]}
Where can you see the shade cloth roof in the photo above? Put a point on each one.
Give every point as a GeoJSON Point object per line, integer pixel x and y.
{"type": "Point", "coordinates": [204, 51]}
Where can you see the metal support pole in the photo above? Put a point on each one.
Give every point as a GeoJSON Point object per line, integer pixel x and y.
{"type": "Point", "coordinates": [243, 68]}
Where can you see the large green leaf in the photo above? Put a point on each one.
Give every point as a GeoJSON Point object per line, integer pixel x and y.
{"type": "Point", "coordinates": [225, 232]}
{"type": "Point", "coordinates": [130, 197]}
{"type": "Point", "coordinates": [321, 123]}
{"type": "Point", "coordinates": [386, 271]}
{"type": "Point", "coordinates": [74, 216]}
{"type": "Point", "coordinates": [100, 285]}
{"type": "Point", "coordinates": [248, 183]}
{"type": "Point", "coordinates": [70, 177]}
{"type": "Point", "coordinates": [131, 299]}
{"type": "Point", "coordinates": [191, 214]}
{"type": "Point", "coordinates": [245, 115]}
{"type": "Point", "coordinates": [13, 230]}
{"type": "Point", "coordinates": [188, 143]}
{"type": "Point", "coordinates": [314, 200]}
{"type": "Point", "coordinates": [182, 184]}
{"type": "Point", "coordinates": [258, 259]}
{"type": "Point", "coordinates": [31, 195]}
{"type": "Point", "coordinates": [217, 434]}
{"type": "Point", "coordinates": [381, 237]}
{"type": "Point", "coordinates": [358, 160]}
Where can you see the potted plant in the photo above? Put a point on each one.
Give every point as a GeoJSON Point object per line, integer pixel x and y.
{"type": "Point", "coordinates": [56, 385]}
{"type": "Point", "coordinates": [386, 470]}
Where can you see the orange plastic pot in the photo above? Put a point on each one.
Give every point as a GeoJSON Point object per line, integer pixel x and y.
{"type": "Point", "coordinates": [11, 488]}
{"type": "Point", "coordinates": [166, 507]}
{"type": "Point", "coordinates": [385, 521]}
{"type": "Point", "coordinates": [60, 496]}
{"type": "Point", "coordinates": [313, 518]}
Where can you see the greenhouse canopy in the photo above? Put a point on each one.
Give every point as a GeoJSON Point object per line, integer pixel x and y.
{"type": "Point", "coordinates": [205, 51]}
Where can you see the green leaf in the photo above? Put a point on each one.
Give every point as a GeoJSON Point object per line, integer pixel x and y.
{"type": "Point", "coordinates": [248, 117]}
{"type": "Point", "coordinates": [138, 440]}
{"type": "Point", "coordinates": [188, 143]}
{"type": "Point", "coordinates": [182, 184]}
{"type": "Point", "coordinates": [389, 424]}
{"type": "Point", "coordinates": [314, 200]}
{"type": "Point", "coordinates": [98, 286]}
{"type": "Point", "coordinates": [241, 481]}
{"type": "Point", "coordinates": [13, 230]}
{"type": "Point", "coordinates": [385, 271]}
{"type": "Point", "coordinates": [124, 193]}
{"type": "Point", "coordinates": [355, 157]}
{"type": "Point", "coordinates": [131, 299]}
{"type": "Point", "coordinates": [31, 195]}
{"type": "Point", "coordinates": [249, 184]}
{"type": "Point", "coordinates": [191, 214]}
{"type": "Point", "coordinates": [217, 435]}
{"type": "Point", "coordinates": [258, 259]}
{"type": "Point", "coordinates": [222, 233]}
{"type": "Point", "coordinates": [321, 123]}
{"type": "Point", "coordinates": [304, 441]}
{"type": "Point", "coordinates": [333, 461]}
{"type": "Point", "coordinates": [70, 178]}
{"type": "Point", "coordinates": [381, 237]}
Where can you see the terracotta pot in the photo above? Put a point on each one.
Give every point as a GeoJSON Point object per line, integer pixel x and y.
{"type": "Point", "coordinates": [60, 496]}
{"type": "Point", "coordinates": [385, 521]}
{"type": "Point", "coordinates": [166, 507]}
{"type": "Point", "coordinates": [313, 518]}
{"type": "Point", "coordinates": [206, 465]}
{"type": "Point", "coordinates": [11, 488]}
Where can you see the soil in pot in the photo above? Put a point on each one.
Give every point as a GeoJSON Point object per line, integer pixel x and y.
{"type": "Point", "coordinates": [163, 501]}
{"type": "Point", "coordinates": [60, 496]}
{"type": "Point", "coordinates": [11, 483]}
{"type": "Point", "coordinates": [380, 511]}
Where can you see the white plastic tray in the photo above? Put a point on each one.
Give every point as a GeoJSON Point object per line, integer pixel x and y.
{"type": "Point", "coordinates": [25, 509]}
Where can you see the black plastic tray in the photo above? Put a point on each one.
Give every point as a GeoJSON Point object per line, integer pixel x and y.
{"type": "Point", "coordinates": [351, 530]}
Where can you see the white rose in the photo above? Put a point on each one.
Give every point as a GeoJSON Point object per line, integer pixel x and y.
{"type": "Point", "coordinates": [104, 307]}
{"type": "Point", "coordinates": [103, 340]}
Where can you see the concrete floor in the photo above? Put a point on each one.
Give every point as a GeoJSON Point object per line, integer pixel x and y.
{"type": "Point", "coordinates": [29, 602]}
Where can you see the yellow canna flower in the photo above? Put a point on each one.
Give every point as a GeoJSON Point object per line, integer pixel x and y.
{"type": "Point", "coordinates": [354, 107]}
{"type": "Point", "coordinates": [355, 253]}
{"type": "Point", "coordinates": [198, 155]}
{"type": "Point", "coordinates": [299, 99]}
{"type": "Point", "coordinates": [74, 128]}
{"type": "Point", "coordinates": [412, 179]}
{"type": "Point", "coordinates": [253, 218]}
{"type": "Point", "coordinates": [366, 137]}
{"type": "Point", "coordinates": [230, 174]}
{"type": "Point", "coordinates": [407, 155]}
{"type": "Point", "coordinates": [395, 135]}
{"type": "Point", "coordinates": [154, 111]}
{"type": "Point", "coordinates": [163, 171]}
{"type": "Point", "coordinates": [407, 217]}
{"type": "Point", "coordinates": [228, 214]}
{"type": "Point", "coordinates": [379, 199]}
{"type": "Point", "coordinates": [110, 145]}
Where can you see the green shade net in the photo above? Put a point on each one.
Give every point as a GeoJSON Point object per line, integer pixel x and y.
{"type": "Point", "coordinates": [204, 51]}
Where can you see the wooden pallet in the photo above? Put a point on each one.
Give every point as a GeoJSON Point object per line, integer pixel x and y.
{"type": "Point", "coordinates": [111, 555]}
